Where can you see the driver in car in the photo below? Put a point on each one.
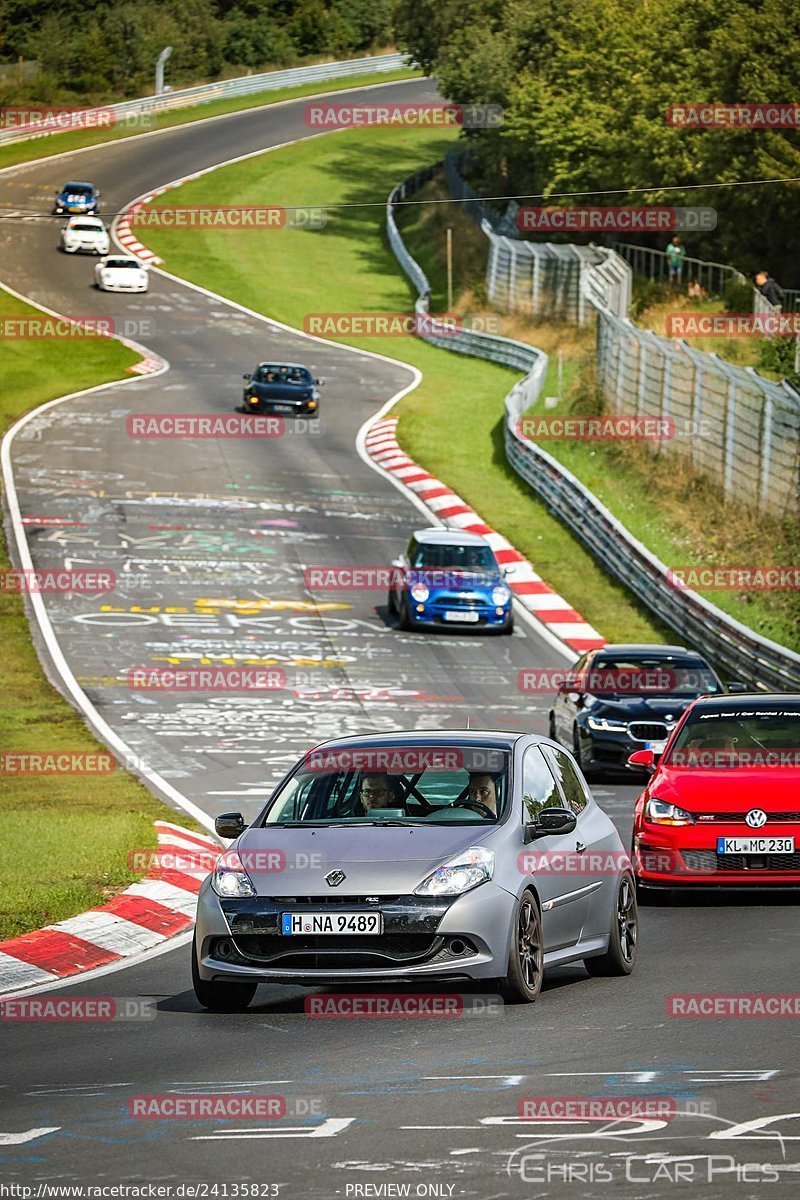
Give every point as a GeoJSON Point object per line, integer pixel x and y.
{"type": "Point", "coordinates": [482, 791]}
{"type": "Point", "coordinates": [378, 791]}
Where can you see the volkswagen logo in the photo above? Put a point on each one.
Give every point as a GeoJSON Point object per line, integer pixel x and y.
{"type": "Point", "coordinates": [334, 878]}
{"type": "Point", "coordinates": [756, 818]}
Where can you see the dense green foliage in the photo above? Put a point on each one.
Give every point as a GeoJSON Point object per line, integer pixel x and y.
{"type": "Point", "coordinates": [98, 49]}
{"type": "Point", "coordinates": [585, 85]}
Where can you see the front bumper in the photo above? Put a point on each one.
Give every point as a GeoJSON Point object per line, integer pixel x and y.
{"type": "Point", "coordinates": [282, 408]}
{"type": "Point", "coordinates": [479, 615]}
{"type": "Point", "coordinates": [691, 860]}
{"type": "Point", "coordinates": [612, 749]}
{"type": "Point", "coordinates": [423, 938]}
{"type": "Point", "coordinates": [86, 248]}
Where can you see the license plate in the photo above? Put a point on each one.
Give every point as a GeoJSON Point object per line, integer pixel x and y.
{"type": "Point", "coordinates": [466, 618]}
{"type": "Point", "coordinates": [656, 747]}
{"type": "Point", "coordinates": [755, 845]}
{"type": "Point", "coordinates": [75, 208]}
{"type": "Point", "coordinates": [283, 408]}
{"type": "Point", "coordinates": [331, 923]}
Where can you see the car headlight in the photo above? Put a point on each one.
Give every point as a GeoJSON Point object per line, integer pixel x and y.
{"type": "Point", "coordinates": [420, 592]}
{"type": "Point", "coordinates": [500, 595]}
{"type": "Point", "coordinates": [460, 874]}
{"type": "Point", "coordinates": [252, 399]}
{"type": "Point", "coordinates": [606, 725]}
{"type": "Point", "coordinates": [661, 812]}
{"type": "Point", "coordinates": [229, 877]}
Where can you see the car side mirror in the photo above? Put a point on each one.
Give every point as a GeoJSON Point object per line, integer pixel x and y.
{"type": "Point", "coordinates": [247, 377]}
{"type": "Point", "coordinates": [397, 562]}
{"type": "Point", "coordinates": [738, 686]}
{"type": "Point", "coordinates": [319, 382]}
{"type": "Point", "coordinates": [551, 820]}
{"type": "Point", "coordinates": [642, 760]}
{"type": "Point", "coordinates": [230, 825]}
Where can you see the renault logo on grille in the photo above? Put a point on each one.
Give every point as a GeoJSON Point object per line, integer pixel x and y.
{"type": "Point", "coordinates": [334, 878]}
{"type": "Point", "coordinates": [756, 818]}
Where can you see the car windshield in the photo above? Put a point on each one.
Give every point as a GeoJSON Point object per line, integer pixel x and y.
{"type": "Point", "coordinates": [297, 376]}
{"type": "Point", "coordinates": [118, 263]}
{"type": "Point", "coordinates": [86, 226]}
{"type": "Point", "coordinates": [78, 189]}
{"type": "Point", "coordinates": [644, 676]}
{"type": "Point", "coordinates": [746, 734]}
{"type": "Point", "coordinates": [395, 785]}
{"type": "Point", "coordinates": [455, 558]}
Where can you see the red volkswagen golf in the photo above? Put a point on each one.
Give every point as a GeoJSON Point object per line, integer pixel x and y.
{"type": "Point", "coordinates": [722, 807]}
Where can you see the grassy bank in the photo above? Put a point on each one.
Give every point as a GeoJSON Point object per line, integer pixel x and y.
{"type": "Point", "coordinates": [66, 838]}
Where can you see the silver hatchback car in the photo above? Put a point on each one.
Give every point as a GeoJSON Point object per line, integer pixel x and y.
{"type": "Point", "coordinates": [417, 858]}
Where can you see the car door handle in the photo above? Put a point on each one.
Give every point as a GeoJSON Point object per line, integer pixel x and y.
{"type": "Point", "coordinates": [579, 846]}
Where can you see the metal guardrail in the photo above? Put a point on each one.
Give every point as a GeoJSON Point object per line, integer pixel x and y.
{"type": "Point", "coordinates": [653, 264]}
{"type": "Point", "coordinates": [730, 645]}
{"type": "Point", "coordinates": [243, 85]}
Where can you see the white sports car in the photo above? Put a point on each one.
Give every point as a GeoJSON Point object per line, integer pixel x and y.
{"type": "Point", "coordinates": [121, 273]}
{"type": "Point", "coordinates": [87, 234]}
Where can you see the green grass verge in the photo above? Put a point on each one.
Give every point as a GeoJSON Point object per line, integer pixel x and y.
{"type": "Point", "coordinates": [453, 424]}
{"type": "Point", "coordinates": [60, 142]}
{"type": "Point", "coordinates": [66, 838]}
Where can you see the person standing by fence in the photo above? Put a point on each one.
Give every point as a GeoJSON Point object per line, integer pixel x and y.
{"type": "Point", "coordinates": [770, 290]}
{"type": "Point", "coordinates": [675, 256]}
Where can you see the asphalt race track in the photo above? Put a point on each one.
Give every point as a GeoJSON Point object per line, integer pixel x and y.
{"type": "Point", "coordinates": [209, 543]}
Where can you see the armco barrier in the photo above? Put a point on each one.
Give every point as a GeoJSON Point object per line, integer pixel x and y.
{"type": "Point", "coordinates": [730, 645]}
{"type": "Point", "coordinates": [244, 85]}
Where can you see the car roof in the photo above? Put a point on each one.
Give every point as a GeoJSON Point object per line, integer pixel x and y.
{"type": "Point", "coordinates": [89, 217]}
{"type": "Point", "coordinates": [448, 537]}
{"type": "Point", "coordinates": [731, 702]}
{"type": "Point", "coordinates": [124, 257]}
{"type": "Point", "coordinates": [77, 183]}
{"type": "Point", "coordinates": [276, 362]}
{"type": "Point", "coordinates": [654, 648]}
{"type": "Point", "coordinates": [496, 739]}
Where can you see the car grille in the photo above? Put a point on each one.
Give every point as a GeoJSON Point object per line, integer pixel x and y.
{"type": "Point", "coordinates": [344, 901]}
{"type": "Point", "coordinates": [739, 818]}
{"type": "Point", "coordinates": [337, 952]}
{"type": "Point", "coordinates": [643, 731]}
{"type": "Point", "coordinates": [460, 600]}
{"type": "Point", "coordinates": [709, 861]}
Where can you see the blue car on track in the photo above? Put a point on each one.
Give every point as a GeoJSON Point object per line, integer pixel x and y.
{"type": "Point", "coordinates": [79, 198]}
{"type": "Point", "coordinates": [447, 578]}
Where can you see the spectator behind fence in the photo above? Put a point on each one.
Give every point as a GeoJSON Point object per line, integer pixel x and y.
{"type": "Point", "coordinates": [770, 290]}
{"type": "Point", "coordinates": [675, 256]}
